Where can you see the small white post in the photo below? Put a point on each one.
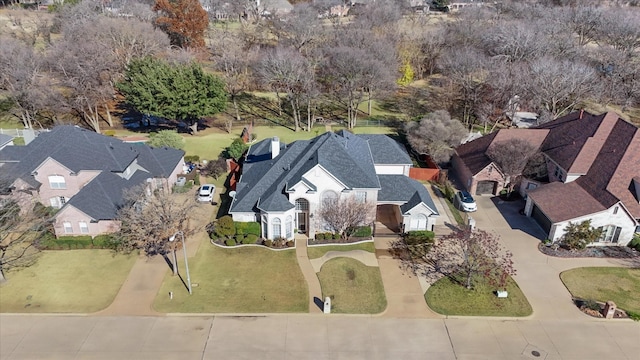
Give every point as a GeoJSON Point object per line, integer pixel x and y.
{"type": "Point", "coordinates": [327, 305]}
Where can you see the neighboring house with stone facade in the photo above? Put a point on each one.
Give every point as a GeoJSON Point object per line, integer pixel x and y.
{"type": "Point", "coordinates": [84, 175]}
{"type": "Point", "coordinates": [593, 173]}
{"type": "Point", "coordinates": [283, 185]}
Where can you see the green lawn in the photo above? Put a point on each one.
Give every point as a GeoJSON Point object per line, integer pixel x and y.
{"type": "Point", "coordinates": [354, 288]}
{"type": "Point", "coordinates": [315, 252]}
{"type": "Point", "coordinates": [621, 285]}
{"type": "Point", "coordinates": [63, 281]}
{"type": "Point", "coordinates": [450, 298]}
{"type": "Point", "coordinates": [240, 280]}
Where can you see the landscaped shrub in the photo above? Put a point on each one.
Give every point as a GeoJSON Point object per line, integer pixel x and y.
{"type": "Point", "coordinates": [335, 236]}
{"type": "Point", "coordinates": [362, 231]}
{"type": "Point", "coordinates": [240, 239]}
{"type": "Point", "coordinates": [320, 236]}
{"type": "Point", "coordinates": [225, 228]}
{"type": "Point", "coordinates": [279, 242]}
{"type": "Point", "coordinates": [250, 239]}
{"type": "Point", "coordinates": [230, 242]}
{"type": "Point", "coordinates": [192, 158]}
{"type": "Point", "coordinates": [67, 243]}
{"type": "Point", "coordinates": [246, 228]}
{"type": "Point", "coordinates": [579, 235]}
{"type": "Point", "coordinates": [419, 237]}
{"type": "Point", "coordinates": [290, 243]}
{"type": "Point", "coordinates": [635, 242]}
{"type": "Point", "coordinates": [268, 243]}
{"type": "Point", "coordinates": [592, 304]}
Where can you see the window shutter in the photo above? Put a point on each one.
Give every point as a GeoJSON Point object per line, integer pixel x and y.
{"type": "Point", "coordinates": [617, 234]}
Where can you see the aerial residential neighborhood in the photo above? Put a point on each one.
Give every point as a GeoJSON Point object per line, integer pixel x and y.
{"type": "Point", "coordinates": [320, 179]}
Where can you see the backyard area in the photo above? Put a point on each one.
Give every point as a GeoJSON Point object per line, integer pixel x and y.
{"type": "Point", "coordinates": [353, 287]}
{"type": "Point", "coordinates": [88, 282]}
{"type": "Point", "coordinates": [448, 297]}
{"type": "Point", "coordinates": [620, 285]}
{"type": "Point", "coordinates": [237, 280]}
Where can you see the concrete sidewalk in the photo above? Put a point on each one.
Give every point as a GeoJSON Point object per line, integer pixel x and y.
{"type": "Point", "coordinates": [313, 283]}
{"type": "Point", "coordinates": [364, 257]}
{"type": "Point", "coordinates": [313, 337]}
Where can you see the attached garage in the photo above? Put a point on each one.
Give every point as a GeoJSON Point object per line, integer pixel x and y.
{"type": "Point", "coordinates": [486, 187]}
{"type": "Point", "coordinates": [541, 219]}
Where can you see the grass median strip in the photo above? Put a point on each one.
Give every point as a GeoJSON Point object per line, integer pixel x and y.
{"type": "Point", "coordinates": [236, 280]}
{"type": "Point", "coordinates": [448, 297]}
{"type": "Point", "coordinates": [66, 281]}
{"type": "Point", "coordinates": [354, 288]}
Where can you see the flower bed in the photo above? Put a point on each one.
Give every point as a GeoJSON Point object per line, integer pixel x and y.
{"type": "Point", "coordinates": [616, 252]}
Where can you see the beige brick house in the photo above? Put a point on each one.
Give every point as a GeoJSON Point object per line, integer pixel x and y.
{"type": "Point", "coordinates": [84, 175]}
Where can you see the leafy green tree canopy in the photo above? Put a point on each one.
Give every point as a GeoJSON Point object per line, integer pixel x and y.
{"type": "Point", "coordinates": [168, 138]}
{"type": "Point", "coordinates": [173, 91]}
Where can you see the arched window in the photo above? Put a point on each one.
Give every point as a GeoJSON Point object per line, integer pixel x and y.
{"type": "Point", "coordinates": [288, 225]}
{"type": "Point", "coordinates": [277, 228]}
{"type": "Point", "coordinates": [328, 195]}
{"type": "Point", "coordinates": [302, 205]}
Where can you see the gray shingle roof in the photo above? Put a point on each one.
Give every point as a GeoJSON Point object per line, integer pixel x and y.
{"type": "Point", "coordinates": [80, 149]}
{"type": "Point", "coordinates": [399, 188]}
{"type": "Point", "coordinates": [386, 151]}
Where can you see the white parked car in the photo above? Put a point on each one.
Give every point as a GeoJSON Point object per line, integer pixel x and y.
{"type": "Point", "coordinates": [465, 201]}
{"type": "Point", "coordinates": [205, 193]}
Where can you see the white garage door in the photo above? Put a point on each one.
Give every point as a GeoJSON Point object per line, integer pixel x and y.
{"type": "Point", "coordinates": [418, 222]}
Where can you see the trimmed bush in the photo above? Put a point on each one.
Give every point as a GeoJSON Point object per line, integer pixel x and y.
{"type": "Point", "coordinates": [240, 239]}
{"type": "Point", "coordinates": [225, 228]}
{"type": "Point", "coordinates": [268, 243]}
{"type": "Point", "coordinates": [320, 236]}
{"type": "Point", "coordinates": [419, 237]}
{"type": "Point", "coordinates": [67, 243]}
{"type": "Point", "coordinates": [291, 243]}
{"type": "Point", "coordinates": [250, 239]}
{"type": "Point", "coordinates": [592, 304]}
{"type": "Point", "coordinates": [362, 231]}
{"type": "Point", "coordinates": [635, 242]}
{"type": "Point", "coordinates": [192, 158]}
{"type": "Point", "coordinates": [246, 228]}
{"type": "Point", "coordinates": [336, 236]}
{"type": "Point", "coordinates": [230, 242]}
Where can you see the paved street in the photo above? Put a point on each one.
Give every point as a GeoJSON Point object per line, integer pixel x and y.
{"type": "Point", "coordinates": [312, 337]}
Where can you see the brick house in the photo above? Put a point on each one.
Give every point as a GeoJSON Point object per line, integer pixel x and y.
{"type": "Point", "coordinates": [592, 173]}
{"type": "Point", "coordinates": [84, 175]}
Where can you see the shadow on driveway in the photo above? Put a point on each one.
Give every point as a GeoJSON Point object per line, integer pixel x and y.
{"type": "Point", "coordinates": [512, 211]}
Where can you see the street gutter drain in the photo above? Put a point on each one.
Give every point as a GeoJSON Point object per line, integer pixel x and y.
{"type": "Point", "coordinates": [535, 353]}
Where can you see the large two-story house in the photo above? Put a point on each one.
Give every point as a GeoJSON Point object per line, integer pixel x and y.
{"type": "Point", "coordinates": [592, 173]}
{"type": "Point", "coordinates": [85, 175]}
{"type": "Point", "coordinates": [282, 185]}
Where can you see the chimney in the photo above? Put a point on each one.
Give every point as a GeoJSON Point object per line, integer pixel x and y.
{"type": "Point", "coordinates": [275, 147]}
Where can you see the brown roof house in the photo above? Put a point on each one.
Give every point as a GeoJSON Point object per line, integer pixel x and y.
{"type": "Point", "coordinates": [85, 175]}
{"type": "Point", "coordinates": [592, 173]}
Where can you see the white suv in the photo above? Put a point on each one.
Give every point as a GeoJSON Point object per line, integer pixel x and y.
{"type": "Point", "coordinates": [205, 194]}
{"type": "Point", "coordinates": [465, 201]}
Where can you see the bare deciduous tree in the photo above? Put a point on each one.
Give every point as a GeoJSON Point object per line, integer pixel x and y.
{"type": "Point", "coordinates": [463, 255]}
{"type": "Point", "coordinates": [620, 28]}
{"type": "Point", "coordinates": [21, 230]}
{"type": "Point", "coordinates": [436, 135]}
{"type": "Point", "coordinates": [344, 215]}
{"type": "Point", "coordinates": [512, 156]}
{"type": "Point", "coordinates": [148, 219]}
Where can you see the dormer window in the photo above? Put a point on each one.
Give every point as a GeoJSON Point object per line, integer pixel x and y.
{"type": "Point", "coordinates": [559, 173]}
{"type": "Point", "coordinates": [57, 182]}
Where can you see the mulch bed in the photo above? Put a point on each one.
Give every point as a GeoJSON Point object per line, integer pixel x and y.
{"type": "Point", "coordinates": [616, 252]}
{"type": "Point", "coordinates": [581, 304]}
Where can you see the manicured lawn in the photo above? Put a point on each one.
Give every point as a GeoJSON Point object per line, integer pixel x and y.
{"type": "Point", "coordinates": [621, 285]}
{"type": "Point", "coordinates": [315, 252]}
{"type": "Point", "coordinates": [455, 212]}
{"type": "Point", "coordinates": [240, 280]}
{"type": "Point", "coordinates": [63, 281]}
{"type": "Point", "coordinates": [354, 288]}
{"type": "Point", "coordinates": [450, 298]}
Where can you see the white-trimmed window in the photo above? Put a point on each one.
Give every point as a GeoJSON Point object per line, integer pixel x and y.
{"type": "Point", "coordinates": [277, 228]}
{"type": "Point", "coordinates": [57, 182]}
{"type": "Point", "coordinates": [264, 226]}
{"type": "Point", "coordinates": [610, 233]}
{"type": "Point", "coordinates": [57, 201]}
{"type": "Point", "coordinates": [360, 196]}
{"type": "Point", "coordinates": [68, 229]}
{"type": "Point", "coordinates": [84, 227]}
{"type": "Point", "coordinates": [615, 210]}
{"type": "Point", "coordinates": [288, 224]}
{"type": "Point", "coordinates": [302, 205]}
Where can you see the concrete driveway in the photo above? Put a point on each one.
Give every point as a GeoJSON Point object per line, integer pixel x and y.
{"type": "Point", "coordinates": [538, 275]}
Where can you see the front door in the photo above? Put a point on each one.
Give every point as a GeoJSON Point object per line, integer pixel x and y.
{"type": "Point", "coordinates": [302, 222]}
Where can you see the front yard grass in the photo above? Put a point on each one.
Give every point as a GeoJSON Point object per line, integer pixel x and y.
{"type": "Point", "coordinates": [315, 252]}
{"type": "Point", "coordinates": [240, 280]}
{"type": "Point", "coordinates": [354, 288]}
{"type": "Point", "coordinates": [620, 285]}
{"type": "Point", "coordinates": [448, 297]}
{"type": "Point", "coordinates": [66, 281]}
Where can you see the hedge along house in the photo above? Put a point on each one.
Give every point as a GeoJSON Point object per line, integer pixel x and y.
{"type": "Point", "coordinates": [85, 175]}
{"type": "Point", "coordinates": [283, 186]}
